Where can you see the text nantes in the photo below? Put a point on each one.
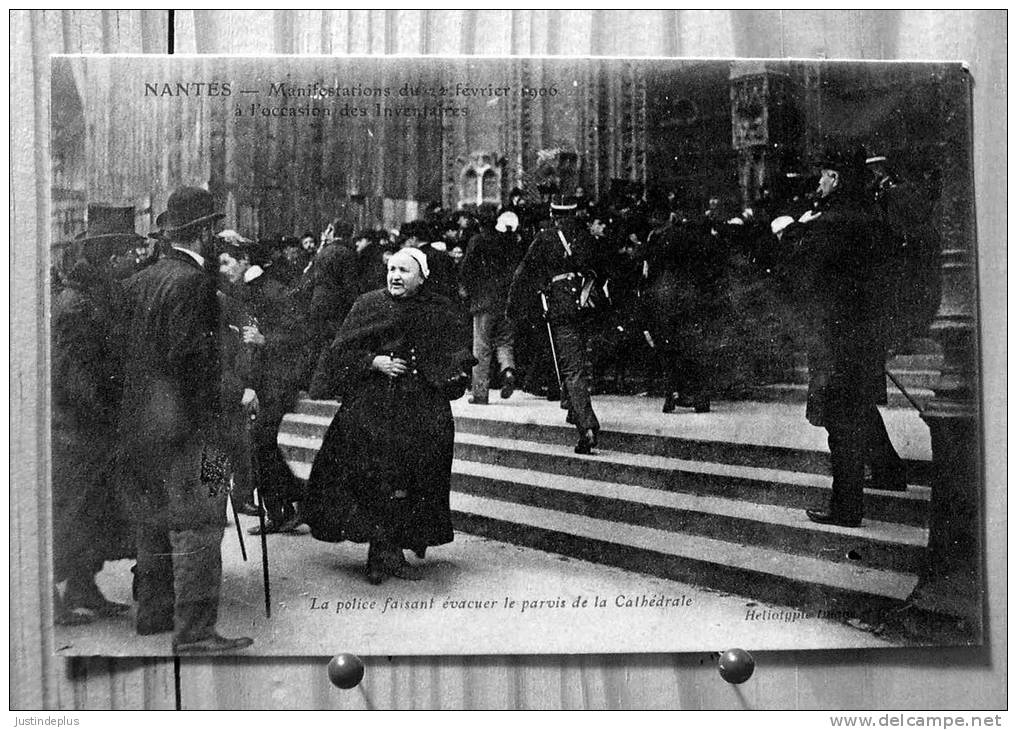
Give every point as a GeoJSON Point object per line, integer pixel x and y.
{"type": "Point", "coordinates": [188, 88]}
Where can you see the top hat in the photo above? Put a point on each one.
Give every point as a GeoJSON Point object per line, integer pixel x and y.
{"type": "Point", "coordinates": [189, 206]}
{"type": "Point", "coordinates": [107, 224]}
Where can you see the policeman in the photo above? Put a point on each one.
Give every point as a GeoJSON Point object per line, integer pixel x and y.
{"type": "Point", "coordinates": [555, 271]}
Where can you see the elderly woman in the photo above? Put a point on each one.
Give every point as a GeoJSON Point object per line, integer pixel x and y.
{"type": "Point", "coordinates": [382, 474]}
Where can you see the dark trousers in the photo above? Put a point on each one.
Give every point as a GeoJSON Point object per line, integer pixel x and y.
{"type": "Point", "coordinates": [683, 367]}
{"type": "Point", "coordinates": [858, 437]}
{"type": "Point", "coordinates": [177, 579]}
{"type": "Point", "coordinates": [179, 516]}
{"type": "Point", "coordinates": [238, 439]}
{"type": "Point", "coordinates": [276, 484]}
{"type": "Point", "coordinates": [574, 364]}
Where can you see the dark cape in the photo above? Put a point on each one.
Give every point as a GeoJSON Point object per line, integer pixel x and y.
{"type": "Point", "coordinates": [390, 435]}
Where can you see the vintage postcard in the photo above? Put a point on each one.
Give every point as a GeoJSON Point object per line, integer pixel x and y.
{"type": "Point", "coordinates": [536, 355]}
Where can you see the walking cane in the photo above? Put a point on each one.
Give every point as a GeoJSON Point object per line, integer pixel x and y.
{"type": "Point", "coordinates": [902, 390]}
{"type": "Point", "coordinates": [550, 338]}
{"type": "Point", "coordinates": [236, 521]}
{"type": "Point", "coordinates": [264, 549]}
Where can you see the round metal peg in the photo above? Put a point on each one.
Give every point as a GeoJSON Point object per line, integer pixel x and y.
{"type": "Point", "coordinates": [736, 665]}
{"type": "Point", "coordinates": [346, 670]}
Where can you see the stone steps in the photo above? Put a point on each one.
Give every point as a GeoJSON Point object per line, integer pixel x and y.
{"type": "Point", "coordinates": [724, 515]}
{"type": "Point", "coordinates": [797, 392]}
{"type": "Point", "coordinates": [312, 417]}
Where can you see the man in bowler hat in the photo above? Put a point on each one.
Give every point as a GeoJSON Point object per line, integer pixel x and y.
{"type": "Point", "coordinates": [843, 246]}
{"type": "Point", "coordinates": [172, 473]}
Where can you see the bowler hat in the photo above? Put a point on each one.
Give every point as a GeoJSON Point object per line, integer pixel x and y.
{"type": "Point", "coordinates": [189, 206]}
{"type": "Point", "coordinates": [107, 224]}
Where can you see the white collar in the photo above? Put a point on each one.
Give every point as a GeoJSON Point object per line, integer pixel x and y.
{"type": "Point", "coordinates": [194, 255]}
{"type": "Point", "coordinates": [252, 273]}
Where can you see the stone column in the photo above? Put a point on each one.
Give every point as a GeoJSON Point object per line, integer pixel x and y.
{"type": "Point", "coordinates": [952, 579]}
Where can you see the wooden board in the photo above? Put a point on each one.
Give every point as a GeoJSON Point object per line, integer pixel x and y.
{"type": "Point", "coordinates": [913, 679]}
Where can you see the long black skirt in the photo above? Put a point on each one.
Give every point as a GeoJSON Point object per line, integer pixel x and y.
{"type": "Point", "coordinates": [384, 468]}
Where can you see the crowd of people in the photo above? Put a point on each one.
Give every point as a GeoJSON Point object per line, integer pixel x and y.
{"type": "Point", "coordinates": [176, 356]}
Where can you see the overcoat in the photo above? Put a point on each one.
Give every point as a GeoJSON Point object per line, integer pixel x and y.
{"type": "Point", "coordinates": [333, 284]}
{"type": "Point", "coordinates": [279, 371]}
{"type": "Point", "coordinates": [238, 374]}
{"type": "Point", "coordinates": [838, 257]}
{"type": "Point", "coordinates": [684, 264]}
{"type": "Point", "coordinates": [277, 364]}
{"type": "Point", "coordinates": [88, 517]}
{"type": "Point", "coordinates": [389, 435]}
{"type": "Point", "coordinates": [327, 290]}
{"type": "Point", "coordinates": [171, 398]}
{"type": "Point", "coordinates": [487, 268]}
{"type": "Point", "coordinates": [442, 279]}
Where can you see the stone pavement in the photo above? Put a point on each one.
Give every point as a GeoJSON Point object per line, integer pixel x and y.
{"type": "Point", "coordinates": [470, 571]}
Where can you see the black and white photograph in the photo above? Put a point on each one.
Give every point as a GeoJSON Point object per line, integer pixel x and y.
{"type": "Point", "coordinates": [463, 355]}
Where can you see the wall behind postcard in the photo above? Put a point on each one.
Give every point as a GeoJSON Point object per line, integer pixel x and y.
{"type": "Point", "coordinates": [915, 679]}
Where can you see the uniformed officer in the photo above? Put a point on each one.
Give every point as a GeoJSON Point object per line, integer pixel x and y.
{"type": "Point", "coordinates": [556, 269]}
